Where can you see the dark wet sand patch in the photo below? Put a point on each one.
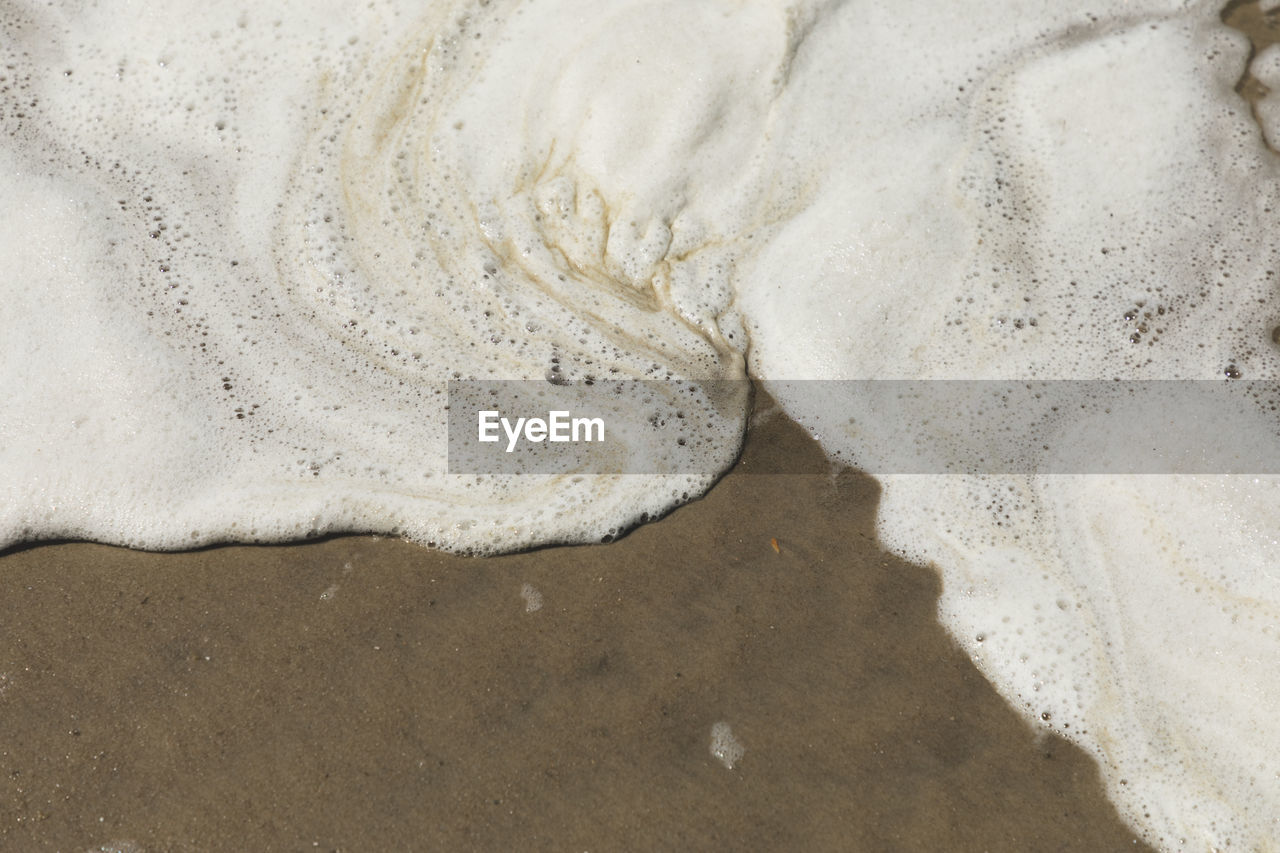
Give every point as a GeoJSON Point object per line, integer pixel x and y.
{"type": "Point", "coordinates": [362, 694]}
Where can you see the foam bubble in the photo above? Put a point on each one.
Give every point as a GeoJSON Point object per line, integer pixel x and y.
{"type": "Point", "coordinates": [726, 748]}
{"type": "Point", "coordinates": [532, 598]}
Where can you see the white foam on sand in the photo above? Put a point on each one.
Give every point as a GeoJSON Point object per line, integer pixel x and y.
{"type": "Point", "coordinates": [1266, 69]}
{"type": "Point", "coordinates": [243, 252]}
{"type": "Point", "coordinates": [725, 747]}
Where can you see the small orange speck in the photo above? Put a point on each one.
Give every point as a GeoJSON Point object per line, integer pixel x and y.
{"type": "Point", "coordinates": [774, 543]}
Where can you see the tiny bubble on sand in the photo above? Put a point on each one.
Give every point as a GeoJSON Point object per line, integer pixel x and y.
{"type": "Point", "coordinates": [727, 749]}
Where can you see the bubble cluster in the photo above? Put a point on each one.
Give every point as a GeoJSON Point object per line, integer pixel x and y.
{"type": "Point", "coordinates": [725, 747]}
{"type": "Point", "coordinates": [532, 598]}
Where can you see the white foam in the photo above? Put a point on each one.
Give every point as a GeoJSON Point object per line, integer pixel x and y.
{"type": "Point", "coordinates": [726, 748]}
{"type": "Point", "coordinates": [244, 251]}
{"type": "Point", "coordinates": [241, 294]}
{"type": "Point", "coordinates": [1077, 219]}
{"type": "Point", "coordinates": [532, 598]}
{"type": "Point", "coordinates": [1266, 69]}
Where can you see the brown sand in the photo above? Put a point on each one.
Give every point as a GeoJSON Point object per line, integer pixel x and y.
{"type": "Point", "coordinates": [362, 694]}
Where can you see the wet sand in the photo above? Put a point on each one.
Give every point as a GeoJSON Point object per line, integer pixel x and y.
{"type": "Point", "coordinates": [363, 694]}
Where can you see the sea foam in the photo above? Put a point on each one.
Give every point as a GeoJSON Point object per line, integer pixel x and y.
{"type": "Point", "coordinates": [244, 251]}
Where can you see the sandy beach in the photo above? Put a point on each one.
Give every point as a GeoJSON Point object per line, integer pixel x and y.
{"type": "Point", "coordinates": [364, 693]}
{"type": "Point", "coordinates": [370, 694]}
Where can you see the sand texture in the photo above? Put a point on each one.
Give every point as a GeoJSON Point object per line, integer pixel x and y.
{"type": "Point", "coordinates": [364, 694]}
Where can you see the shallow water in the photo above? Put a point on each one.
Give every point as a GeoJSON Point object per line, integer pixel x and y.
{"type": "Point", "coordinates": [361, 694]}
